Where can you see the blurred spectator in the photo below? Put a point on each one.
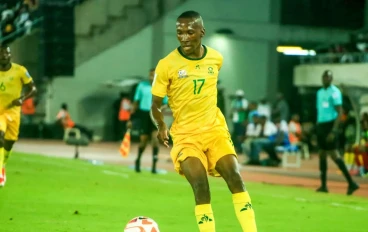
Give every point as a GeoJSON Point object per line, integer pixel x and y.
{"type": "Point", "coordinates": [261, 141]}
{"type": "Point", "coordinates": [7, 25]}
{"type": "Point", "coordinates": [64, 119]}
{"type": "Point", "coordinates": [28, 111]}
{"type": "Point", "coordinates": [264, 108]}
{"type": "Point", "coordinates": [295, 129]}
{"type": "Point", "coordinates": [238, 108]}
{"type": "Point", "coordinates": [16, 15]}
{"type": "Point", "coordinates": [252, 132]}
{"type": "Point", "coordinates": [23, 20]}
{"type": "Point", "coordinates": [252, 110]}
{"type": "Point", "coordinates": [281, 108]}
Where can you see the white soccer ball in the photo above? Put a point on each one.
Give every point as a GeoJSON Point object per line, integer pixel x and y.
{"type": "Point", "coordinates": [141, 224]}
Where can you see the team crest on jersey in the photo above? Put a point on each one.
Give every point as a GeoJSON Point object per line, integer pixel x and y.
{"type": "Point", "coordinates": [210, 71]}
{"type": "Point", "coordinates": [182, 74]}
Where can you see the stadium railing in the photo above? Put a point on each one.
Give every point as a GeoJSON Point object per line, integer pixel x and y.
{"type": "Point", "coordinates": [19, 32]}
{"type": "Point", "coordinates": [335, 58]}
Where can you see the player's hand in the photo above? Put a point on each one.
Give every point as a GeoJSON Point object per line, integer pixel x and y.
{"type": "Point", "coordinates": [330, 137]}
{"type": "Point", "coordinates": [129, 125]}
{"type": "Point", "coordinates": [17, 102]}
{"type": "Point", "coordinates": [163, 135]}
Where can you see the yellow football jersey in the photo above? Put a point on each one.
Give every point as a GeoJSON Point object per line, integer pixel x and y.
{"type": "Point", "coordinates": [191, 86]}
{"type": "Point", "coordinates": [11, 84]}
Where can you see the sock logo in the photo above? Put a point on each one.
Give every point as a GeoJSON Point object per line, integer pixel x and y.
{"type": "Point", "coordinates": [247, 206]}
{"type": "Point", "coordinates": [204, 219]}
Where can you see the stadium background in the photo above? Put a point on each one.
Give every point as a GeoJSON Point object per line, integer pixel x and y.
{"type": "Point", "coordinates": [78, 53]}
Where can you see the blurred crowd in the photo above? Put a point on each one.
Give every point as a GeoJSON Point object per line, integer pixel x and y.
{"type": "Point", "coordinates": [264, 126]}
{"type": "Point", "coordinates": [15, 16]}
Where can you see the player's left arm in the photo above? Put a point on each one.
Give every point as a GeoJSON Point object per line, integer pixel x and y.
{"type": "Point", "coordinates": [29, 85]}
{"type": "Point", "coordinates": [337, 102]}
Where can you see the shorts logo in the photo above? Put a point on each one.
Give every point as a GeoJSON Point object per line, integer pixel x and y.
{"type": "Point", "coordinates": [182, 74]}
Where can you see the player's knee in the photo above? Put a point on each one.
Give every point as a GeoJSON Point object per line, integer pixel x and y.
{"type": "Point", "coordinates": [143, 143]}
{"type": "Point", "coordinates": [8, 145]}
{"type": "Point", "coordinates": [235, 182]}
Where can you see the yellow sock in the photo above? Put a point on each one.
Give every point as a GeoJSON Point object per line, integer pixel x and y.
{"type": "Point", "coordinates": [6, 155]}
{"type": "Point", "coordinates": [205, 219]}
{"type": "Point", "coordinates": [1, 158]}
{"type": "Point", "coordinates": [244, 211]}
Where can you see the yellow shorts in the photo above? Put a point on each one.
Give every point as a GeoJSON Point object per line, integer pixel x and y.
{"type": "Point", "coordinates": [10, 125]}
{"type": "Point", "coordinates": [208, 147]}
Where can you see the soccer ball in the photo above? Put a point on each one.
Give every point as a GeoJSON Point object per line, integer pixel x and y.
{"type": "Point", "coordinates": [141, 224]}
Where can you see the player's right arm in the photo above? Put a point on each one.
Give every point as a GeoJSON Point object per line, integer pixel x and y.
{"type": "Point", "coordinates": [159, 91]}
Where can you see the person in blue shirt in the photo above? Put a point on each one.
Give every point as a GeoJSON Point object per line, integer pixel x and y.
{"type": "Point", "coordinates": [329, 111]}
{"type": "Point", "coordinates": [141, 111]}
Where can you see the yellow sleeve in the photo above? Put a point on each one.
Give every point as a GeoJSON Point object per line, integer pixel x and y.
{"type": "Point", "coordinates": [25, 76]}
{"type": "Point", "coordinates": [161, 80]}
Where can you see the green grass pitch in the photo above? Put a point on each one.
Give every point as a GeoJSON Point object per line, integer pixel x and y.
{"type": "Point", "coordinates": [59, 195]}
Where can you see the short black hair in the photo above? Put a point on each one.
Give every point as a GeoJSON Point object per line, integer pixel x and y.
{"type": "Point", "coordinates": [189, 14]}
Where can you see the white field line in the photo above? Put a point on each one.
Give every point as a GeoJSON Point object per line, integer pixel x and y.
{"type": "Point", "coordinates": [183, 183]}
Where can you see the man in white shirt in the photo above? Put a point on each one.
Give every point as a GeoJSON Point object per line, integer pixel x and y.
{"type": "Point", "coordinates": [262, 131]}
{"type": "Point", "coordinates": [270, 135]}
{"type": "Point", "coordinates": [264, 108]}
{"type": "Point", "coordinates": [252, 133]}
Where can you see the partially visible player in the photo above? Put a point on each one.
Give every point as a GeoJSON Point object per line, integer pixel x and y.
{"type": "Point", "coordinates": [12, 79]}
{"type": "Point", "coordinates": [202, 143]}
{"type": "Point", "coordinates": [147, 130]}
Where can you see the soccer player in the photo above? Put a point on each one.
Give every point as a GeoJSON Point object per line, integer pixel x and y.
{"type": "Point", "coordinates": [12, 79]}
{"type": "Point", "coordinates": [141, 110]}
{"type": "Point", "coordinates": [329, 111]}
{"type": "Point", "coordinates": [201, 141]}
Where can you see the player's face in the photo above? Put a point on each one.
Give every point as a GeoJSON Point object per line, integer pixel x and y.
{"type": "Point", "coordinates": [151, 76]}
{"type": "Point", "coordinates": [5, 56]}
{"type": "Point", "coordinates": [326, 80]}
{"type": "Point", "coordinates": [189, 33]}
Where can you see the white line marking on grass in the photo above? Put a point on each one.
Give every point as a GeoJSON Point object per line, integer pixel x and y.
{"type": "Point", "coordinates": [50, 163]}
{"type": "Point", "coordinates": [358, 208]}
{"type": "Point", "coordinates": [349, 206]}
{"type": "Point", "coordinates": [111, 173]}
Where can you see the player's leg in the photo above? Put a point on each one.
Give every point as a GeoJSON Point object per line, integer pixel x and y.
{"type": "Point", "coordinates": [3, 125]}
{"type": "Point", "coordinates": [227, 167]}
{"type": "Point", "coordinates": [335, 155]}
{"type": "Point", "coordinates": [10, 137]}
{"type": "Point", "coordinates": [155, 148]}
{"type": "Point", "coordinates": [323, 171]}
{"type": "Point", "coordinates": [195, 172]}
{"type": "Point", "coordinates": [321, 141]}
{"type": "Point", "coordinates": [8, 147]}
{"type": "Point", "coordinates": [143, 138]}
